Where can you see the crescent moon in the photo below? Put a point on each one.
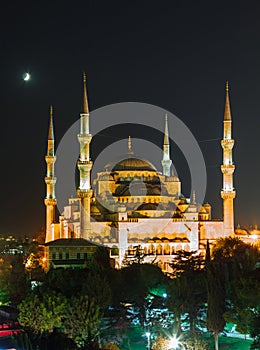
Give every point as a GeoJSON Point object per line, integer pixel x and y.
{"type": "Point", "coordinates": [26, 76]}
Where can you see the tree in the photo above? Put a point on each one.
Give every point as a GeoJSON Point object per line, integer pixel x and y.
{"type": "Point", "coordinates": [195, 341]}
{"type": "Point", "coordinates": [97, 287]}
{"type": "Point", "coordinates": [238, 261]}
{"type": "Point", "coordinates": [255, 330]}
{"type": "Point", "coordinates": [110, 346]}
{"type": "Point", "coordinates": [136, 258]}
{"type": "Point", "coordinates": [93, 283]}
{"type": "Point", "coordinates": [187, 288]}
{"type": "Point", "coordinates": [14, 284]}
{"type": "Point", "coordinates": [216, 299]}
{"type": "Point", "coordinates": [53, 314]}
{"type": "Point", "coordinates": [241, 317]}
{"type": "Point", "coordinates": [42, 313]}
{"type": "Point", "coordinates": [139, 281]}
{"type": "Point", "coordinates": [100, 260]}
{"type": "Point", "coordinates": [34, 265]}
{"type": "Point", "coordinates": [66, 281]}
{"type": "Point", "coordinates": [186, 263]}
{"type": "Point", "coordinates": [227, 247]}
{"type": "Point", "coordinates": [160, 343]}
{"type": "Point", "coordinates": [239, 256]}
{"type": "Point", "coordinates": [82, 320]}
{"type": "Point", "coordinates": [244, 305]}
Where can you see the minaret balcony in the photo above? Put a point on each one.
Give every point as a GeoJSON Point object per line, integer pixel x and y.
{"type": "Point", "coordinates": [50, 159]}
{"type": "Point", "coordinates": [85, 165]}
{"type": "Point", "coordinates": [84, 138]}
{"type": "Point", "coordinates": [85, 193]}
{"type": "Point", "coordinates": [228, 194]}
{"type": "Point", "coordinates": [228, 169]}
{"type": "Point", "coordinates": [50, 201]}
{"type": "Point", "coordinates": [166, 161]}
{"type": "Point", "coordinates": [50, 180]}
{"type": "Point", "coordinates": [227, 143]}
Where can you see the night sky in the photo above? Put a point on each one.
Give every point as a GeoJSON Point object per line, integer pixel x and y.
{"type": "Point", "coordinates": [173, 54]}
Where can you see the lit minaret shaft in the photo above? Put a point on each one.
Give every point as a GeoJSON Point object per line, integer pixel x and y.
{"type": "Point", "coordinates": [228, 193]}
{"type": "Point", "coordinates": [50, 180]}
{"type": "Point", "coordinates": [166, 161]}
{"type": "Point", "coordinates": [85, 166]}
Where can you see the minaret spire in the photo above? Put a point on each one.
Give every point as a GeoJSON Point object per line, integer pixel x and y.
{"type": "Point", "coordinates": [129, 146]}
{"type": "Point", "coordinates": [85, 165]}
{"type": "Point", "coordinates": [227, 168]}
{"type": "Point", "coordinates": [166, 161]}
{"type": "Point", "coordinates": [166, 131]}
{"type": "Point", "coordinates": [227, 112]}
{"type": "Point", "coordinates": [85, 109]}
{"type": "Point", "coordinates": [50, 180]}
{"type": "Point", "coordinates": [51, 132]}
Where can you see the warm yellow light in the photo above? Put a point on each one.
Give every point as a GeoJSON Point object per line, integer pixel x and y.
{"type": "Point", "coordinates": [28, 264]}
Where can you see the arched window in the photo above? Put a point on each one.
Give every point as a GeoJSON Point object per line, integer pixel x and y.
{"type": "Point", "coordinates": [187, 248]}
{"type": "Point", "coordinates": [166, 249]}
{"type": "Point", "coordinates": [159, 249]}
{"type": "Point", "coordinates": [178, 247]}
{"type": "Point", "coordinates": [151, 249]}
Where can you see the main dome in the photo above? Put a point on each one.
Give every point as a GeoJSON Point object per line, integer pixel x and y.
{"type": "Point", "coordinates": [134, 164]}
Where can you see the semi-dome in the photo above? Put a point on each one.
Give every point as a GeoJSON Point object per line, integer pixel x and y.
{"type": "Point", "coordinates": [134, 164]}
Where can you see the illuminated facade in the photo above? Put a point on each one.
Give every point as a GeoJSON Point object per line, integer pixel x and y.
{"type": "Point", "coordinates": [131, 204]}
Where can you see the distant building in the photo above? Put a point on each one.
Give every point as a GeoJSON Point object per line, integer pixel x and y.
{"type": "Point", "coordinates": [72, 253]}
{"type": "Point", "coordinates": [147, 207]}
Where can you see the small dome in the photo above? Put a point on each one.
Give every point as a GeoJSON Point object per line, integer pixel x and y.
{"type": "Point", "coordinates": [134, 164]}
{"type": "Point", "coordinates": [240, 231]}
{"type": "Point", "coordinates": [148, 206]}
{"type": "Point", "coordinates": [106, 177]}
{"type": "Point", "coordinates": [183, 200]}
{"type": "Point", "coordinates": [165, 239]}
{"type": "Point", "coordinates": [94, 209]}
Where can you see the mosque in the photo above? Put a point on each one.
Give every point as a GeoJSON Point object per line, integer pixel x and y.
{"type": "Point", "coordinates": [147, 211]}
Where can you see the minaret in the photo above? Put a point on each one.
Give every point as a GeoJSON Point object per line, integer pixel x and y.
{"type": "Point", "coordinates": [50, 180]}
{"type": "Point", "coordinates": [227, 168]}
{"type": "Point", "coordinates": [85, 165]}
{"type": "Point", "coordinates": [166, 161]}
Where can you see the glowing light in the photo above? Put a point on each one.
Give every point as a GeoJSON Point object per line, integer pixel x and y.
{"type": "Point", "coordinates": [254, 237]}
{"type": "Point", "coordinates": [26, 76]}
{"type": "Point", "coordinates": [173, 343]}
{"type": "Point", "coordinates": [28, 264]}
{"type": "Point", "coordinates": [148, 334]}
{"type": "Point", "coordinates": [164, 295]}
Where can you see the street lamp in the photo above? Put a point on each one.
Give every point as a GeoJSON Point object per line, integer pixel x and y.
{"type": "Point", "coordinates": [173, 343]}
{"type": "Point", "coordinates": [148, 335]}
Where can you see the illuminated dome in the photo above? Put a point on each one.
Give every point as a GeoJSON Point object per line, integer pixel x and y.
{"type": "Point", "coordinates": [148, 206]}
{"type": "Point", "coordinates": [134, 164]}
